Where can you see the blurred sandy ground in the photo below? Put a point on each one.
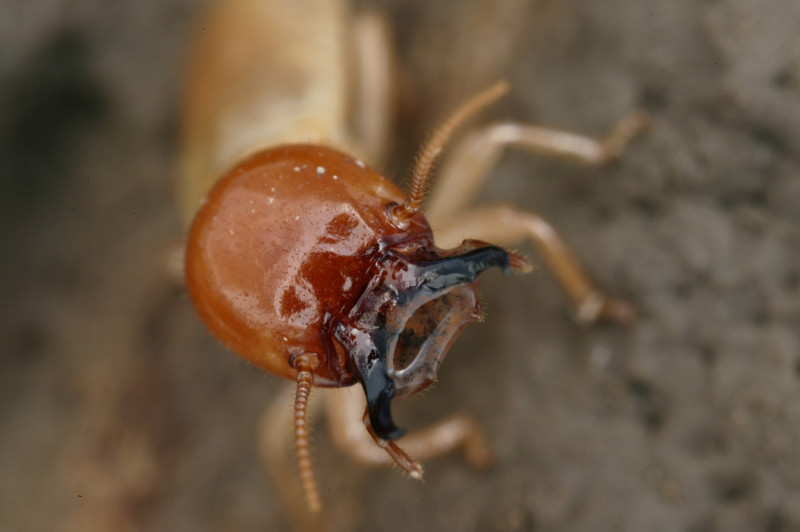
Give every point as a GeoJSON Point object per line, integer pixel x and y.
{"type": "Point", "coordinates": [118, 412]}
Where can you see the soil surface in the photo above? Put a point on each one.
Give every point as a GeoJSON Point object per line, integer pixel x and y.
{"type": "Point", "coordinates": [118, 411]}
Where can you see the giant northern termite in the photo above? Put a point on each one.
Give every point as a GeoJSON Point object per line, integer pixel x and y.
{"type": "Point", "coordinates": [307, 262]}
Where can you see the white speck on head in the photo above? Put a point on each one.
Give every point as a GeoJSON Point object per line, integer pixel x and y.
{"type": "Point", "coordinates": [347, 284]}
{"type": "Point", "coordinates": [296, 218]}
{"type": "Point", "coordinates": [335, 177]}
{"type": "Point", "coordinates": [285, 339]}
{"type": "Point", "coordinates": [252, 211]}
{"type": "Point", "coordinates": [320, 170]}
{"type": "Point", "coordinates": [270, 200]}
{"type": "Point", "coordinates": [231, 231]}
{"type": "Point", "coordinates": [296, 168]}
{"type": "Point", "coordinates": [272, 189]}
{"type": "Point", "coordinates": [360, 163]}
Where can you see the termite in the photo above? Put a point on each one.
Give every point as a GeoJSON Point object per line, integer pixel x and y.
{"type": "Point", "coordinates": [307, 262]}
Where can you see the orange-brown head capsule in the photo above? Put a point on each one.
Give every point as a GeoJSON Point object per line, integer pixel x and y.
{"type": "Point", "coordinates": [296, 251]}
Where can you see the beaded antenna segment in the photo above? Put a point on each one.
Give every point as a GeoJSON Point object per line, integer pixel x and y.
{"type": "Point", "coordinates": [305, 365]}
{"type": "Point", "coordinates": [435, 144]}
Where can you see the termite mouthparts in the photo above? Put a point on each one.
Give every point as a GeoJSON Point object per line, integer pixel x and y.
{"type": "Point", "coordinates": [404, 324]}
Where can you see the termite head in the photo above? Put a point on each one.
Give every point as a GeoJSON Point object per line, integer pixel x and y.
{"type": "Point", "coordinates": [301, 249]}
{"type": "Point", "coordinates": [412, 310]}
{"type": "Point", "coordinates": [296, 251]}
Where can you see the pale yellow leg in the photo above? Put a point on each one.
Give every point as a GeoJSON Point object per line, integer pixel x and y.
{"type": "Point", "coordinates": [508, 226]}
{"type": "Point", "coordinates": [470, 162]}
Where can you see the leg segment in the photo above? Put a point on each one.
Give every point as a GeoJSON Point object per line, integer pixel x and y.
{"type": "Point", "coordinates": [473, 158]}
{"type": "Point", "coordinates": [471, 162]}
{"type": "Point", "coordinates": [508, 226]}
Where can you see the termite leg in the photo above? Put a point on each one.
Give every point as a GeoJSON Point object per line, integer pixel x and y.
{"type": "Point", "coordinates": [473, 158]}
{"type": "Point", "coordinates": [509, 226]}
{"type": "Point", "coordinates": [454, 432]}
{"type": "Point", "coordinates": [374, 63]}
{"type": "Point", "coordinates": [470, 164]}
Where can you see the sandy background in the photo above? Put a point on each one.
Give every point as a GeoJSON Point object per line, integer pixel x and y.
{"type": "Point", "coordinates": [119, 412]}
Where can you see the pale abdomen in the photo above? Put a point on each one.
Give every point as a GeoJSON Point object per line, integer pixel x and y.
{"type": "Point", "coordinates": [262, 73]}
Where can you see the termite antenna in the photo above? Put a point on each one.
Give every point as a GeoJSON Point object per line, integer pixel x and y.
{"type": "Point", "coordinates": [433, 147]}
{"type": "Point", "coordinates": [305, 364]}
